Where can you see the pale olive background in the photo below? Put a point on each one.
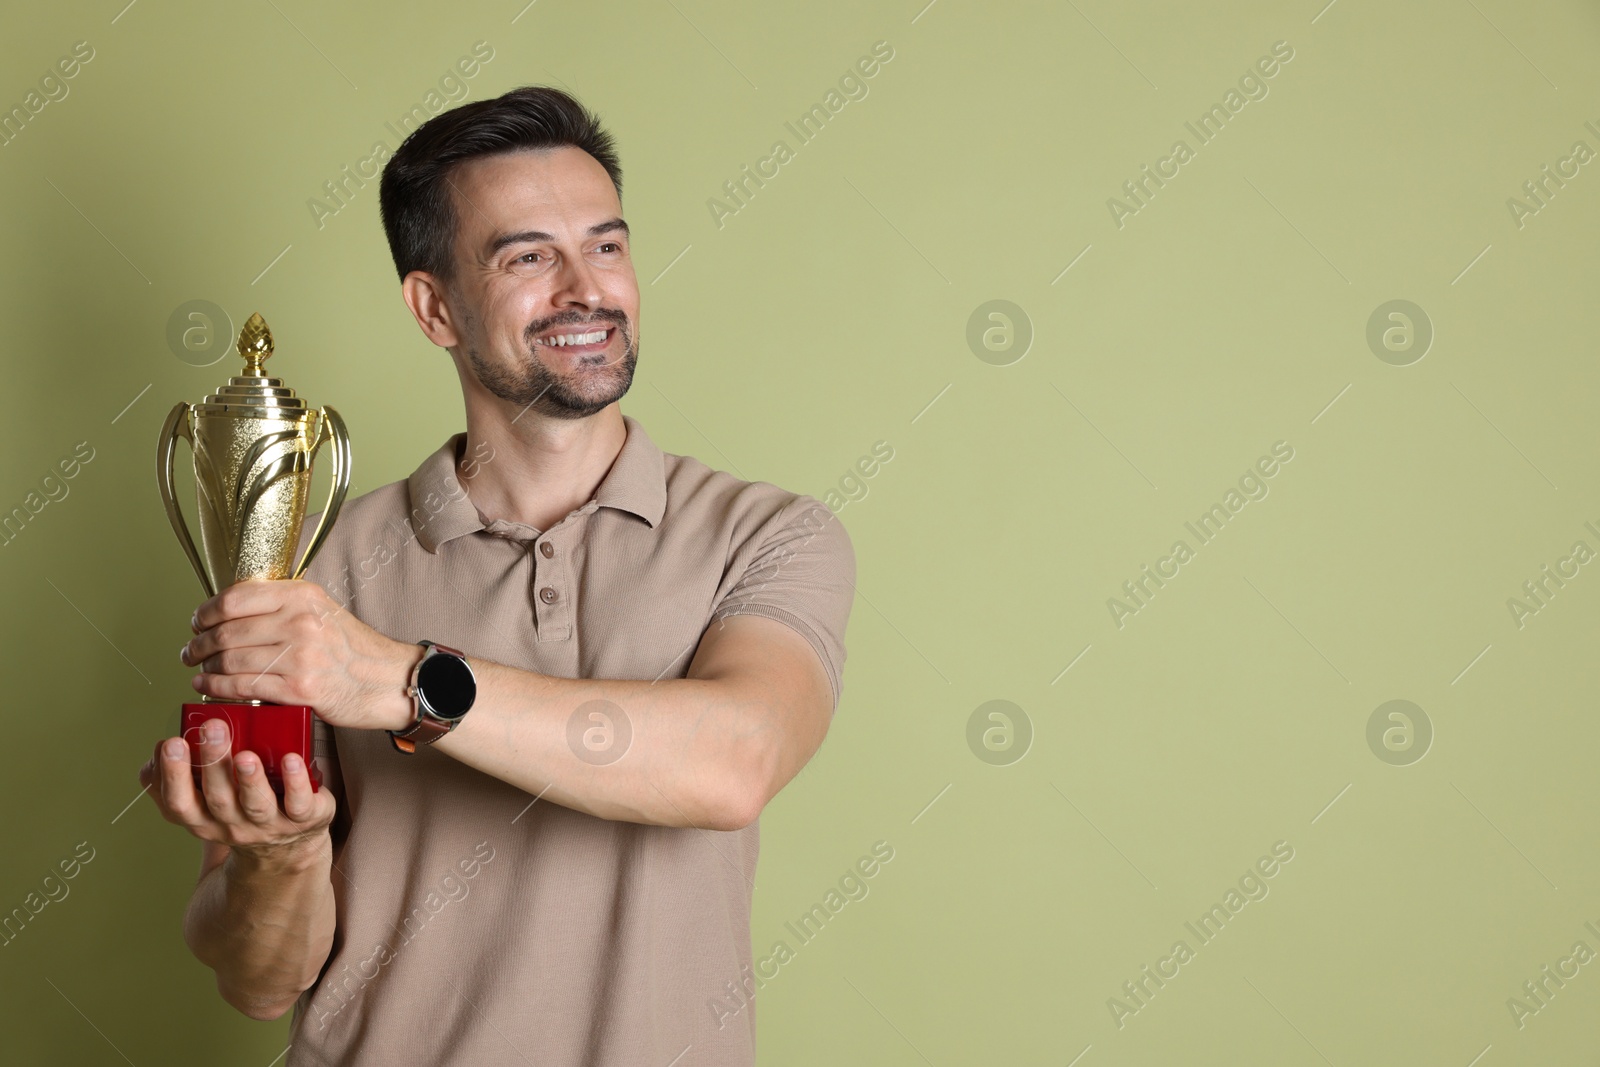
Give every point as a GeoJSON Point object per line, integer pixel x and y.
{"type": "Point", "coordinates": [831, 313]}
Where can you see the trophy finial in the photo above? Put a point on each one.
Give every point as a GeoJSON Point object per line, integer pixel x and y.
{"type": "Point", "coordinates": [255, 344]}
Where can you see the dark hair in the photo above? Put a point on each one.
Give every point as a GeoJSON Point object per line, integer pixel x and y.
{"type": "Point", "coordinates": [414, 195]}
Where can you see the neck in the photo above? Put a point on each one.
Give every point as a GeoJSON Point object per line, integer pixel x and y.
{"type": "Point", "coordinates": [525, 467]}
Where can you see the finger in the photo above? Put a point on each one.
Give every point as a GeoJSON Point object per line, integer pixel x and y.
{"type": "Point", "coordinates": [199, 755]}
{"type": "Point", "coordinates": [216, 772]}
{"type": "Point", "coordinates": [255, 596]}
{"type": "Point", "coordinates": [300, 804]}
{"type": "Point", "coordinates": [256, 799]}
{"type": "Point", "coordinates": [272, 688]}
{"type": "Point", "coordinates": [176, 795]}
{"type": "Point", "coordinates": [258, 659]}
{"type": "Point", "coordinates": [235, 633]}
{"type": "Point", "coordinates": [149, 773]}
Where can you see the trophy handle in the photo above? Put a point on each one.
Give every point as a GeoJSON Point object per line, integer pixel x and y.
{"type": "Point", "coordinates": [178, 426]}
{"type": "Point", "coordinates": [331, 427]}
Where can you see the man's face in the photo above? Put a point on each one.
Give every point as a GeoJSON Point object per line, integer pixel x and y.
{"type": "Point", "coordinates": [543, 261]}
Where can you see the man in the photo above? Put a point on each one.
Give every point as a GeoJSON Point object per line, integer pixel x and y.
{"type": "Point", "coordinates": [563, 873]}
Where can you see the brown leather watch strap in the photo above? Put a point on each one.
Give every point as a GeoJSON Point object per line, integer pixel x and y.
{"type": "Point", "coordinates": [426, 731]}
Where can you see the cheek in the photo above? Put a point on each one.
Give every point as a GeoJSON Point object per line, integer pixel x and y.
{"type": "Point", "coordinates": [622, 289]}
{"type": "Point", "coordinates": [503, 315]}
{"type": "Point", "coordinates": [628, 304]}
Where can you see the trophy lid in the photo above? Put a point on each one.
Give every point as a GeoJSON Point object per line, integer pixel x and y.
{"type": "Point", "coordinates": [253, 393]}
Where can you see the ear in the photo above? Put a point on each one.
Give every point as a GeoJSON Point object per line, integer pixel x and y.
{"type": "Point", "coordinates": [427, 297]}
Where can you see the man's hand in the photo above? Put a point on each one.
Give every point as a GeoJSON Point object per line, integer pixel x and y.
{"type": "Point", "coordinates": [240, 812]}
{"type": "Point", "coordinates": [288, 642]}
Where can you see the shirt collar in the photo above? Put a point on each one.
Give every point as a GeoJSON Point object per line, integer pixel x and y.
{"type": "Point", "coordinates": [442, 511]}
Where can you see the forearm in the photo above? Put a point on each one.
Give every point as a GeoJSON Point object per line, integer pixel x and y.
{"type": "Point", "coordinates": [265, 926]}
{"type": "Point", "coordinates": [683, 752]}
{"type": "Point", "coordinates": [705, 750]}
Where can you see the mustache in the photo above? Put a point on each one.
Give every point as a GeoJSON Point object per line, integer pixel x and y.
{"type": "Point", "coordinates": [574, 318]}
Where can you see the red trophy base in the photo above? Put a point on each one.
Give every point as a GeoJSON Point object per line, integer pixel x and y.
{"type": "Point", "coordinates": [271, 731]}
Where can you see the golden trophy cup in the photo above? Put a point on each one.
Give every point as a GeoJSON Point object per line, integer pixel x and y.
{"type": "Point", "coordinates": [253, 442]}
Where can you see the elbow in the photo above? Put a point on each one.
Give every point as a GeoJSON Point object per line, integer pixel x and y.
{"type": "Point", "coordinates": [266, 1013]}
{"type": "Point", "coordinates": [261, 1009]}
{"type": "Point", "coordinates": [734, 810]}
{"type": "Point", "coordinates": [742, 793]}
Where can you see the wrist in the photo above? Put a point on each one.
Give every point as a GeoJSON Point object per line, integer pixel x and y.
{"type": "Point", "coordinates": [307, 852]}
{"type": "Point", "coordinates": [396, 709]}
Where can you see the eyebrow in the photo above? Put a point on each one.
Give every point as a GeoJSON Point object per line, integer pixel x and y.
{"type": "Point", "coordinates": [608, 226]}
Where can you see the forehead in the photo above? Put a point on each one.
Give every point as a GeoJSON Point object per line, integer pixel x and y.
{"type": "Point", "coordinates": [562, 191]}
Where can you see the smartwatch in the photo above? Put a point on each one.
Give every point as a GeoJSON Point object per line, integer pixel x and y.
{"type": "Point", "coordinates": [442, 690]}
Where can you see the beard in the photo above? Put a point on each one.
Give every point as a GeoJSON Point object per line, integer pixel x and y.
{"type": "Point", "coordinates": [588, 388]}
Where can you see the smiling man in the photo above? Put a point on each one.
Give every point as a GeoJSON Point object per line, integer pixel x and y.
{"type": "Point", "coordinates": [561, 672]}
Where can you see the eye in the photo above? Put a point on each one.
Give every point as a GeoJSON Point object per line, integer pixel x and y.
{"type": "Point", "coordinates": [526, 257]}
{"type": "Point", "coordinates": [611, 245]}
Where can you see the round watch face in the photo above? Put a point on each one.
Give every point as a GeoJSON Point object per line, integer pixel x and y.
{"type": "Point", "coordinates": [446, 685]}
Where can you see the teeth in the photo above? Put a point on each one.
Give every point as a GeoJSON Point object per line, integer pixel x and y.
{"type": "Point", "coordinates": [561, 340]}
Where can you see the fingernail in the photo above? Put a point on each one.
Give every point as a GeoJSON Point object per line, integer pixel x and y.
{"type": "Point", "coordinates": [194, 622]}
{"type": "Point", "coordinates": [173, 748]}
{"type": "Point", "coordinates": [291, 762]}
{"type": "Point", "coordinates": [247, 766]}
{"type": "Point", "coordinates": [183, 655]}
{"type": "Point", "coordinates": [214, 731]}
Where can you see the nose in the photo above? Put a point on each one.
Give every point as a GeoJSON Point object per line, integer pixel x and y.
{"type": "Point", "coordinates": [578, 286]}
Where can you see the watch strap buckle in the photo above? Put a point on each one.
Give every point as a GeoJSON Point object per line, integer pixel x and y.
{"type": "Point", "coordinates": [425, 729]}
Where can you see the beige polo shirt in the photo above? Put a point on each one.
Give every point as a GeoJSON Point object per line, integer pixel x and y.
{"type": "Point", "coordinates": [477, 927]}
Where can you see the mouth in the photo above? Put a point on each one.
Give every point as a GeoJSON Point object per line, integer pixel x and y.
{"type": "Point", "coordinates": [577, 340]}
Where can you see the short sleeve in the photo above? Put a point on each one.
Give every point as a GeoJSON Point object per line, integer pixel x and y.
{"type": "Point", "coordinates": [802, 574]}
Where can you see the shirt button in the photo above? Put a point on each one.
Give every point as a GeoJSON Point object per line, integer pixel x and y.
{"type": "Point", "coordinates": [546, 550]}
{"type": "Point", "coordinates": [548, 595]}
